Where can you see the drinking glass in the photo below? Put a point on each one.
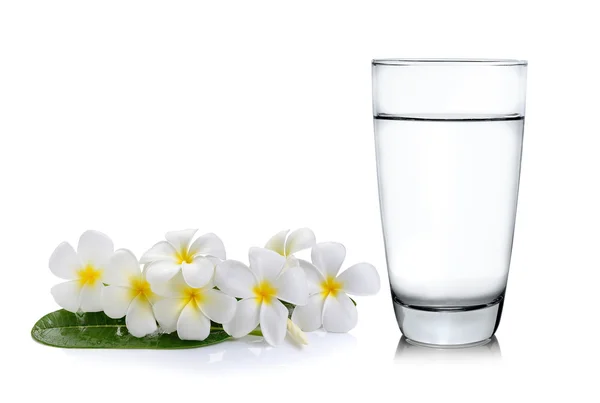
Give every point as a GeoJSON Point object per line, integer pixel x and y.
{"type": "Point", "coordinates": [448, 135]}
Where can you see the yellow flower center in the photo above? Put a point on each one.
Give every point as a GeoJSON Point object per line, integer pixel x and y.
{"type": "Point", "coordinates": [193, 295]}
{"type": "Point", "coordinates": [264, 292]}
{"type": "Point", "coordinates": [88, 275]}
{"type": "Point", "coordinates": [140, 286]}
{"type": "Point", "coordinates": [184, 256]}
{"type": "Point", "coordinates": [330, 286]}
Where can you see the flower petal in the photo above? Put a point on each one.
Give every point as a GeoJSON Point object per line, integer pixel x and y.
{"type": "Point", "coordinates": [314, 277]}
{"type": "Point", "coordinates": [339, 313]}
{"type": "Point", "coordinates": [235, 278]}
{"type": "Point", "coordinates": [91, 297]}
{"type": "Point", "coordinates": [277, 242]}
{"type": "Point", "coordinates": [67, 295]}
{"type": "Point", "coordinates": [192, 324]}
{"type": "Point", "coordinates": [122, 266]}
{"type": "Point", "coordinates": [328, 257]}
{"type": "Point", "coordinates": [292, 287]}
{"type": "Point", "coordinates": [180, 239]}
{"type": "Point", "coordinates": [246, 318]}
{"type": "Point", "coordinates": [64, 262]}
{"type": "Point", "coordinates": [167, 313]}
{"type": "Point", "coordinates": [95, 248]}
{"type": "Point", "coordinates": [265, 263]}
{"type": "Point", "coordinates": [218, 306]}
{"type": "Point", "coordinates": [198, 273]}
{"type": "Point", "coordinates": [309, 317]}
{"type": "Point", "coordinates": [273, 318]}
{"type": "Point", "coordinates": [215, 260]}
{"type": "Point", "coordinates": [298, 240]}
{"type": "Point", "coordinates": [173, 288]}
{"type": "Point", "coordinates": [161, 271]}
{"type": "Point", "coordinates": [160, 251]}
{"type": "Point", "coordinates": [116, 300]}
{"type": "Point", "coordinates": [140, 318]}
{"type": "Point", "coordinates": [360, 279]}
{"type": "Point", "coordinates": [208, 244]}
{"type": "Point", "coordinates": [291, 261]}
{"type": "Point", "coordinates": [296, 333]}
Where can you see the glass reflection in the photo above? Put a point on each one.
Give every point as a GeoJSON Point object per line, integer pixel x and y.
{"type": "Point", "coordinates": [488, 351]}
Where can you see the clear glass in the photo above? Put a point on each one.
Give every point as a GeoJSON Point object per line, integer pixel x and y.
{"type": "Point", "coordinates": [448, 137]}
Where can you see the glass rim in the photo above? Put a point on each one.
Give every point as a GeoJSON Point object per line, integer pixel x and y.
{"type": "Point", "coordinates": [448, 62]}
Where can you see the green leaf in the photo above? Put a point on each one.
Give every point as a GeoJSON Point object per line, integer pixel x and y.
{"type": "Point", "coordinates": [96, 330]}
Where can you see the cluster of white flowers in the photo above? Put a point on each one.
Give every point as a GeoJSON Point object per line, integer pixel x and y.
{"type": "Point", "coordinates": [185, 285]}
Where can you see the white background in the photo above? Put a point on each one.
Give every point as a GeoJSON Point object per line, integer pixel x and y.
{"type": "Point", "coordinates": [244, 118]}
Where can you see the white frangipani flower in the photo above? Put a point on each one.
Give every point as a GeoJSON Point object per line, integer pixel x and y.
{"type": "Point", "coordinates": [286, 246]}
{"type": "Point", "coordinates": [195, 260]}
{"type": "Point", "coordinates": [262, 286]}
{"type": "Point", "coordinates": [329, 305]}
{"type": "Point", "coordinates": [129, 294]}
{"type": "Point", "coordinates": [189, 310]}
{"type": "Point", "coordinates": [85, 270]}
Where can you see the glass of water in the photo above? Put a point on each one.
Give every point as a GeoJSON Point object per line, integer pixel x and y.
{"type": "Point", "coordinates": [448, 136]}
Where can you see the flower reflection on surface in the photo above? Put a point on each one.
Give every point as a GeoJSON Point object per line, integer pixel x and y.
{"type": "Point", "coordinates": [247, 353]}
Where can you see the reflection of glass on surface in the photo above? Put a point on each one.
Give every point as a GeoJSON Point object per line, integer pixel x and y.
{"type": "Point", "coordinates": [489, 351]}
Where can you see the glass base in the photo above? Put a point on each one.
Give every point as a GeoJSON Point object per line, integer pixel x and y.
{"type": "Point", "coordinates": [449, 327]}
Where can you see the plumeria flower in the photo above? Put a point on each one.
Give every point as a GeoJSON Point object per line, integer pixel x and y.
{"type": "Point", "coordinates": [329, 305]}
{"type": "Point", "coordinates": [178, 254]}
{"type": "Point", "coordinates": [85, 271]}
{"type": "Point", "coordinates": [189, 310]}
{"type": "Point", "coordinates": [262, 286]}
{"type": "Point", "coordinates": [129, 294]}
{"type": "Point", "coordinates": [286, 246]}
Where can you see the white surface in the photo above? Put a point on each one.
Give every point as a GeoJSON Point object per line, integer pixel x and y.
{"type": "Point", "coordinates": [135, 118]}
